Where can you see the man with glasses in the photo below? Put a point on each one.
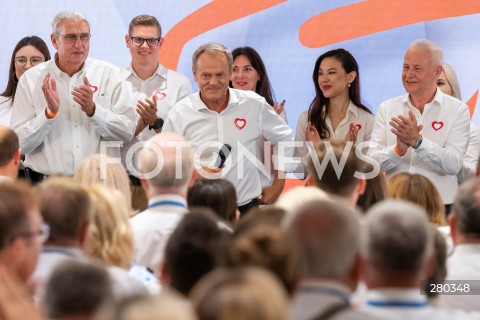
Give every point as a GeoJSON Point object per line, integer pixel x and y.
{"type": "Point", "coordinates": [153, 88]}
{"type": "Point", "coordinates": [65, 108]}
{"type": "Point", "coordinates": [22, 232]}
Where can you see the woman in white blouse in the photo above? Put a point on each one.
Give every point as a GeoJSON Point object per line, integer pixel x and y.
{"type": "Point", "coordinates": [336, 111]}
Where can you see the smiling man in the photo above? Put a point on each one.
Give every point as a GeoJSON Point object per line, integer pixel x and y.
{"type": "Point", "coordinates": [153, 89]}
{"type": "Point", "coordinates": [424, 131]}
{"type": "Point", "coordinates": [64, 108]}
{"type": "Point", "coordinates": [219, 115]}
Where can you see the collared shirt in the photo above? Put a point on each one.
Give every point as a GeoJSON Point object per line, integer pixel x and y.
{"type": "Point", "coordinates": [408, 303]}
{"type": "Point", "coordinates": [60, 144]}
{"type": "Point", "coordinates": [471, 156]}
{"type": "Point", "coordinates": [361, 118]}
{"type": "Point", "coordinates": [5, 111]}
{"type": "Point", "coordinates": [446, 130]}
{"type": "Point", "coordinates": [246, 119]}
{"type": "Point", "coordinates": [168, 86]}
{"type": "Point", "coordinates": [152, 229]}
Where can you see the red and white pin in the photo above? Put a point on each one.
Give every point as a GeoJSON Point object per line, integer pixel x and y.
{"type": "Point", "coordinates": [437, 125]}
{"type": "Point", "coordinates": [93, 88]}
{"type": "Point", "coordinates": [160, 95]}
{"type": "Point", "coordinates": [240, 123]}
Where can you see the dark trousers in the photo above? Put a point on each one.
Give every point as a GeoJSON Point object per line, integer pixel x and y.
{"type": "Point", "coordinates": [246, 207]}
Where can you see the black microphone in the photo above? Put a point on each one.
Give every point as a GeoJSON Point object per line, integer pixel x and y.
{"type": "Point", "coordinates": [223, 154]}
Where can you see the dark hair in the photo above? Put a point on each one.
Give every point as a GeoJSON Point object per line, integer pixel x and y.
{"type": "Point", "coordinates": [375, 190]}
{"type": "Point", "coordinates": [317, 113]}
{"type": "Point", "coordinates": [218, 195]}
{"type": "Point", "coordinates": [8, 145]}
{"type": "Point", "coordinates": [34, 41]}
{"type": "Point", "coordinates": [263, 88]}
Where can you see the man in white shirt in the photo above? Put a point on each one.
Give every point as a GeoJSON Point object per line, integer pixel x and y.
{"type": "Point", "coordinates": [218, 115]}
{"type": "Point", "coordinates": [165, 178]}
{"type": "Point", "coordinates": [424, 131]}
{"type": "Point", "coordinates": [153, 88]}
{"type": "Point", "coordinates": [66, 107]}
{"type": "Point", "coordinates": [398, 256]}
{"type": "Point", "coordinates": [9, 154]}
{"type": "Point", "coordinates": [464, 264]}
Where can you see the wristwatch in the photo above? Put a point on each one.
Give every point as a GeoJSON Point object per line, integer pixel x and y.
{"type": "Point", "coordinates": [418, 143]}
{"type": "Point", "coordinates": [158, 124]}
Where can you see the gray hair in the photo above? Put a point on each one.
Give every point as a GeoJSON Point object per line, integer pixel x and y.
{"type": "Point", "coordinates": [212, 48]}
{"type": "Point", "coordinates": [435, 51]}
{"type": "Point", "coordinates": [452, 80]}
{"type": "Point", "coordinates": [69, 14]}
{"type": "Point", "coordinates": [164, 146]}
{"type": "Point", "coordinates": [466, 208]}
{"type": "Point", "coordinates": [398, 237]}
{"type": "Point", "coordinates": [327, 236]}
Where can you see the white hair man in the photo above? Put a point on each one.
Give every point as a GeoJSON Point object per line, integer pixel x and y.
{"type": "Point", "coordinates": [166, 166]}
{"type": "Point", "coordinates": [64, 108]}
{"type": "Point", "coordinates": [424, 131]}
{"type": "Point", "coordinates": [327, 237]}
{"type": "Point", "coordinates": [398, 256]}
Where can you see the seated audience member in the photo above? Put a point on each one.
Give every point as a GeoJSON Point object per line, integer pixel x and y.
{"type": "Point", "coordinates": [269, 215]}
{"type": "Point", "coordinates": [22, 231]}
{"type": "Point", "coordinates": [375, 191]}
{"type": "Point", "coordinates": [348, 184]}
{"type": "Point", "coordinates": [464, 263]}
{"type": "Point", "coordinates": [448, 83]}
{"type": "Point", "coordinates": [196, 247]}
{"type": "Point", "coordinates": [439, 272]}
{"type": "Point", "coordinates": [238, 294]}
{"type": "Point", "coordinates": [9, 154]}
{"type": "Point", "coordinates": [398, 256]}
{"type": "Point", "coordinates": [267, 246]}
{"type": "Point", "coordinates": [66, 208]}
{"type": "Point", "coordinates": [218, 195]}
{"type": "Point", "coordinates": [99, 169]}
{"type": "Point", "coordinates": [166, 306]}
{"type": "Point", "coordinates": [326, 236]}
{"type": "Point", "coordinates": [167, 196]}
{"type": "Point", "coordinates": [295, 198]}
{"type": "Point", "coordinates": [110, 240]}
{"type": "Point", "coordinates": [78, 290]}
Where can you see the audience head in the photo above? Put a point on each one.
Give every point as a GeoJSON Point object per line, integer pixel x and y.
{"type": "Point", "coordinates": [375, 191]}
{"type": "Point", "coordinates": [448, 82]}
{"type": "Point", "coordinates": [398, 244]}
{"type": "Point", "coordinates": [465, 217]}
{"type": "Point", "coordinates": [439, 273]}
{"type": "Point", "coordinates": [249, 73]}
{"type": "Point", "coordinates": [216, 194]}
{"type": "Point", "coordinates": [420, 190]}
{"type": "Point", "coordinates": [295, 198]}
{"type": "Point", "coordinates": [78, 290]}
{"type": "Point", "coordinates": [9, 152]}
{"type": "Point", "coordinates": [21, 230]}
{"type": "Point", "coordinates": [346, 80]}
{"type": "Point", "coordinates": [237, 294]}
{"type": "Point", "coordinates": [110, 238]}
{"type": "Point", "coordinates": [100, 169]}
{"type": "Point", "coordinates": [327, 238]}
{"type": "Point", "coordinates": [195, 248]}
{"type": "Point", "coordinates": [28, 52]}
{"type": "Point", "coordinates": [66, 207]}
{"type": "Point", "coordinates": [161, 169]}
{"type": "Point", "coordinates": [348, 183]}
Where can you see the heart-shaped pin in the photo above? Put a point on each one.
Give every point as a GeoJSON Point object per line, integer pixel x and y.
{"type": "Point", "coordinates": [240, 123]}
{"type": "Point", "coordinates": [437, 125]}
{"type": "Point", "coordinates": [160, 95]}
{"type": "Point", "coordinates": [359, 126]}
{"type": "Point", "coordinates": [94, 88]}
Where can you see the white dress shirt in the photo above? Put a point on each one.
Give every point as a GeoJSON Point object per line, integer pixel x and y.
{"type": "Point", "coordinates": [471, 156]}
{"type": "Point", "coordinates": [168, 86]}
{"type": "Point", "coordinates": [5, 111]}
{"type": "Point", "coordinates": [363, 119]}
{"type": "Point", "coordinates": [60, 144]}
{"type": "Point", "coordinates": [152, 229]}
{"type": "Point", "coordinates": [246, 119]}
{"type": "Point", "coordinates": [446, 130]}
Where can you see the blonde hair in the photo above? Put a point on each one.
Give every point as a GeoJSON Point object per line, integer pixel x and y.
{"type": "Point", "coordinates": [110, 237]}
{"type": "Point", "coordinates": [100, 169]}
{"type": "Point", "coordinates": [418, 189]}
{"type": "Point", "coordinates": [452, 80]}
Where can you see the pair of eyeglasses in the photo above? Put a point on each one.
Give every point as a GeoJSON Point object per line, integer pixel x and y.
{"type": "Point", "coordinates": [151, 42]}
{"type": "Point", "coordinates": [72, 37]}
{"type": "Point", "coordinates": [21, 61]}
{"type": "Point", "coordinates": [43, 233]}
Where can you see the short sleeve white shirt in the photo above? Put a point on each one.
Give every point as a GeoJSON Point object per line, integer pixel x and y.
{"type": "Point", "coordinates": [5, 111]}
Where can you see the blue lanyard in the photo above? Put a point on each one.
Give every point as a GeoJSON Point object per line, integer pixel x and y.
{"type": "Point", "coordinates": [328, 291]}
{"type": "Point", "coordinates": [400, 304]}
{"type": "Point", "coordinates": [167, 203]}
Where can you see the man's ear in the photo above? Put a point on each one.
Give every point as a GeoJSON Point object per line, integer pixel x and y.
{"type": "Point", "coordinates": [452, 222]}
{"type": "Point", "coordinates": [17, 157]}
{"type": "Point", "coordinates": [361, 186]}
{"type": "Point", "coordinates": [164, 274]}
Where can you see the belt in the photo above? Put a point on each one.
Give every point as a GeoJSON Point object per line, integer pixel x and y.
{"type": "Point", "coordinates": [33, 176]}
{"type": "Point", "coordinates": [247, 206]}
